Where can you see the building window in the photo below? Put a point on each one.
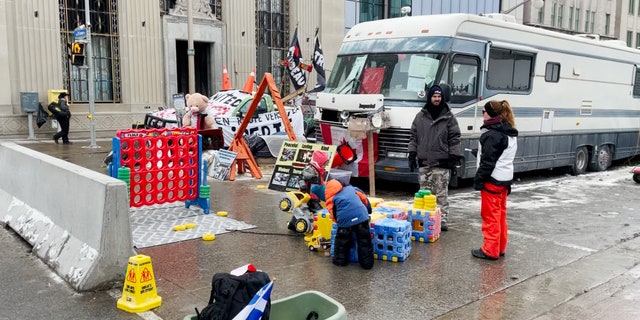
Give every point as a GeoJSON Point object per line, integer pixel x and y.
{"type": "Point", "coordinates": [629, 38]}
{"type": "Point", "coordinates": [592, 22]}
{"type": "Point", "coordinates": [541, 15]}
{"type": "Point", "coordinates": [632, 4]}
{"type": "Point", "coordinates": [637, 40]}
{"type": "Point", "coordinates": [560, 12]}
{"type": "Point", "coordinates": [105, 47]}
{"type": "Point", "coordinates": [552, 72]}
{"type": "Point", "coordinates": [553, 15]}
{"type": "Point", "coordinates": [272, 28]}
{"type": "Point", "coordinates": [395, 7]}
{"type": "Point", "coordinates": [577, 26]}
{"type": "Point", "coordinates": [570, 24]}
{"type": "Point", "coordinates": [371, 10]}
{"type": "Point", "coordinates": [607, 21]}
{"type": "Point", "coordinates": [586, 21]}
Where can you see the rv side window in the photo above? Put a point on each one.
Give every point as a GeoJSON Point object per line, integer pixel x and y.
{"type": "Point", "coordinates": [636, 84]}
{"type": "Point", "coordinates": [509, 70]}
{"type": "Point", "coordinates": [552, 72]}
{"type": "Point", "coordinates": [461, 77]}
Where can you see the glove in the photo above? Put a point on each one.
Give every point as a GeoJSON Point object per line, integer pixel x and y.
{"type": "Point", "coordinates": [454, 161]}
{"type": "Point", "coordinates": [413, 164]}
{"type": "Point", "coordinates": [478, 185]}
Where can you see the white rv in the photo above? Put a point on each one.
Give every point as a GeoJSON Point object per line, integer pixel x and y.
{"type": "Point", "coordinates": [576, 99]}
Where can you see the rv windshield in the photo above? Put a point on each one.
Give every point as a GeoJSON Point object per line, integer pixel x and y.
{"type": "Point", "coordinates": [400, 76]}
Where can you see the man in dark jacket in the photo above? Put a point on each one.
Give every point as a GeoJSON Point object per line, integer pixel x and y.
{"type": "Point", "coordinates": [62, 115]}
{"type": "Point", "coordinates": [434, 148]}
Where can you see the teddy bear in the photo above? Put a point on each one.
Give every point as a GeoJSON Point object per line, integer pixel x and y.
{"type": "Point", "coordinates": [197, 105]}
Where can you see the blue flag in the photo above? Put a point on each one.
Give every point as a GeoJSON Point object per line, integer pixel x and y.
{"type": "Point", "coordinates": [255, 308]}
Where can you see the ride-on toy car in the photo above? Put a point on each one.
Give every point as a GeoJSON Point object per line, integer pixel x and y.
{"type": "Point", "coordinates": [302, 207]}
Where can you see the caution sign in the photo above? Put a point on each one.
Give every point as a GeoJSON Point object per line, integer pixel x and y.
{"type": "Point", "coordinates": [139, 296]}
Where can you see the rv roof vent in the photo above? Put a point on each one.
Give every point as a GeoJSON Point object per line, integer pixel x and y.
{"type": "Point", "coordinates": [500, 16]}
{"type": "Point", "coordinates": [589, 36]}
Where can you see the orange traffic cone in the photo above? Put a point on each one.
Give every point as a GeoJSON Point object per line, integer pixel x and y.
{"type": "Point", "coordinates": [226, 83]}
{"type": "Point", "coordinates": [248, 86]}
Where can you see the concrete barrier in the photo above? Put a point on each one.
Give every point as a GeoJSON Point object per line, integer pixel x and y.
{"type": "Point", "coordinates": [76, 219]}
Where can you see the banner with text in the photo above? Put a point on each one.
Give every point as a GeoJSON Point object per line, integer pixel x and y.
{"type": "Point", "coordinates": [264, 124]}
{"type": "Point", "coordinates": [293, 157]}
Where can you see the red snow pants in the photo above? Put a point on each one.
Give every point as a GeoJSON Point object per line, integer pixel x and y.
{"type": "Point", "coordinates": [494, 219]}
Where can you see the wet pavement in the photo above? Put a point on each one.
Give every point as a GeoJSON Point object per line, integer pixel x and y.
{"type": "Point", "coordinates": [573, 254]}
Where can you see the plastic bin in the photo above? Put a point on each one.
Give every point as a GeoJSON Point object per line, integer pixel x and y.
{"type": "Point", "coordinates": [300, 305]}
{"type": "Point", "coordinates": [343, 176]}
{"type": "Point", "coordinates": [52, 95]}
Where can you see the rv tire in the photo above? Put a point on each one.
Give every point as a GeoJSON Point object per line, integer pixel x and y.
{"type": "Point", "coordinates": [601, 159]}
{"type": "Point", "coordinates": [581, 162]}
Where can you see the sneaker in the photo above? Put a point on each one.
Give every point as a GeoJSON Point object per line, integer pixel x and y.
{"type": "Point", "coordinates": [444, 226]}
{"type": "Point", "coordinates": [56, 140]}
{"type": "Point", "coordinates": [478, 253]}
{"type": "Point", "coordinates": [67, 142]}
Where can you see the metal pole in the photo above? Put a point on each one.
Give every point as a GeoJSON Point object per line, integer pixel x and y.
{"type": "Point", "coordinates": [190, 51]}
{"type": "Point", "coordinates": [90, 75]}
{"type": "Point", "coordinates": [372, 170]}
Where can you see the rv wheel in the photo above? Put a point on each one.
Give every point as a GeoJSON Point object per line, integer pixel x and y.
{"type": "Point", "coordinates": [636, 177]}
{"type": "Point", "coordinates": [602, 159]}
{"type": "Point", "coordinates": [581, 162]}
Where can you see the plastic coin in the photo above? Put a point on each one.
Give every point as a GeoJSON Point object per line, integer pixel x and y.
{"type": "Point", "coordinates": [222, 213]}
{"type": "Point", "coordinates": [179, 227]}
{"type": "Point", "coordinates": [208, 237]}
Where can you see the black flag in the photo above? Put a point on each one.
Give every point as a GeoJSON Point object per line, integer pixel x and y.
{"type": "Point", "coordinates": [318, 64]}
{"type": "Point", "coordinates": [293, 61]}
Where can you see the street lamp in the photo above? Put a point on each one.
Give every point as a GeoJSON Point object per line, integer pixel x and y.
{"type": "Point", "coordinates": [537, 4]}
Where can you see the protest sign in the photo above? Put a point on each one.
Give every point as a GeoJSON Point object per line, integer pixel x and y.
{"type": "Point", "coordinates": [292, 159]}
{"type": "Point", "coordinates": [221, 168]}
{"type": "Point", "coordinates": [263, 124]}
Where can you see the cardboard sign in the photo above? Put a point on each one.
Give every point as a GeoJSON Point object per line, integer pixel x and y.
{"type": "Point", "coordinates": [263, 124]}
{"type": "Point", "coordinates": [292, 159]}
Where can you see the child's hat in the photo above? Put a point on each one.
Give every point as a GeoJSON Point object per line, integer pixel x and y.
{"type": "Point", "coordinates": [318, 191]}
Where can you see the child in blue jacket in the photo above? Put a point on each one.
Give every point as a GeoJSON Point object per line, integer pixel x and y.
{"type": "Point", "coordinates": [350, 209]}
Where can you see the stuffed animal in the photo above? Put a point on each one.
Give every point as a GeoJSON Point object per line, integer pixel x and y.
{"type": "Point", "coordinates": [196, 106]}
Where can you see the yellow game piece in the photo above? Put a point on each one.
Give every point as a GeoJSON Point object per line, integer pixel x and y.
{"type": "Point", "coordinates": [208, 237]}
{"type": "Point", "coordinates": [222, 213]}
{"type": "Point", "coordinates": [180, 227]}
{"type": "Point", "coordinates": [190, 225]}
{"type": "Point", "coordinates": [262, 186]}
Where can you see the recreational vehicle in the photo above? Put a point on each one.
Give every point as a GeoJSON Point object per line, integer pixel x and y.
{"type": "Point", "coordinates": [576, 99]}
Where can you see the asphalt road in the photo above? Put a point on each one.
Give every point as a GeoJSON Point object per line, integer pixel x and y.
{"type": "Point", "coordinates": [573, 254]}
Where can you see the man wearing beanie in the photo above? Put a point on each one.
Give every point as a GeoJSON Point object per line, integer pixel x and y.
{"type": "Point", "coordinates": [434, 148]}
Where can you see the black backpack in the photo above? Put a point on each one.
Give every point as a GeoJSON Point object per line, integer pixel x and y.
{"type": "Point", "coordinates": [230, 294]}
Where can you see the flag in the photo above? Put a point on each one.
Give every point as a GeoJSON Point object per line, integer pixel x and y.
{"type": "Point", "coordinates": [294, 55]}
{"type": "Point", "coordinates": [255, 308]}
{"type": "Point", "coordinates": [318, 64]}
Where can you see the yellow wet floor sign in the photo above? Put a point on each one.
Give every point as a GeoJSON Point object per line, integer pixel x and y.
{"type": "Point", "coordinates": [139, 292]}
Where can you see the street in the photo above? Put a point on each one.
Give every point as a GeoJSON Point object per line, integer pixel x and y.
{"type": "Point", "coordinates": [573, 253]}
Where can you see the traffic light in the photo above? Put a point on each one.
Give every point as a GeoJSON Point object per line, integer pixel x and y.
{"type": "Point", "coordinates": [77, 54]}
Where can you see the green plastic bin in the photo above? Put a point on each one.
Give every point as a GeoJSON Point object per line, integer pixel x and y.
{"type": "Point", "coordinates": [298, 306]}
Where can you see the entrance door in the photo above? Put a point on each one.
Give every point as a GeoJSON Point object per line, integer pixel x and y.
{"type": "Point", "coordinates": [202, 67]}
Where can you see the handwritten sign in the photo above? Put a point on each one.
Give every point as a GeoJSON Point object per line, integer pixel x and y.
{"type": "Point", "coordinates": [264, 124]}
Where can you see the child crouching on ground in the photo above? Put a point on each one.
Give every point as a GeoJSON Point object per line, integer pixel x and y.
{"type": "Point", "coordinates": [350, 209]}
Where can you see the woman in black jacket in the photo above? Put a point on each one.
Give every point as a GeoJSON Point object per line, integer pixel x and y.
{"type": "Point", "coordinates": [496, 151]}
{"type": "Point", "coordinates": [62, 116]}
